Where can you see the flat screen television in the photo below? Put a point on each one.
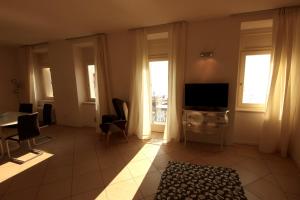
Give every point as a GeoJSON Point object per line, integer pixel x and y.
{"type": "Point", "coordinates": [206, 96]}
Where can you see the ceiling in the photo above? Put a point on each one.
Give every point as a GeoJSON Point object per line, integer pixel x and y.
{"type": "Point", "coordinates": [32, 21]}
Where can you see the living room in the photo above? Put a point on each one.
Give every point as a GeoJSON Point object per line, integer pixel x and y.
{"type": "Point", "coordinates": [79, 64]}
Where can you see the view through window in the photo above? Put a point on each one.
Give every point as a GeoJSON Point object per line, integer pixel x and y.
{"type": "Point", "coordinates": [91, 76]}
{"type": "Point", "coordinates": [256, 78]}
{"type": "Point", "coordinates": [159, 83]}
{"type": "Point", "coordinates": [46, 73]}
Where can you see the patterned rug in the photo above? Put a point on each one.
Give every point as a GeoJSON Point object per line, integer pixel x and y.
{"type": "Point", "coordinates": [189, 181]}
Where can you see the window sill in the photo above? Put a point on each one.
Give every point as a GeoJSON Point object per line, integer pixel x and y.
{"type": "Point", "coordinates": [47, 100]}
{"type": "Point", "coordinates": [88, 103]}
{"type": "Point", "coordinates": [254, 110]}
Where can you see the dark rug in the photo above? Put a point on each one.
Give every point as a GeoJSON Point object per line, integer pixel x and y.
{"type": "Point", "coordinates": [189, 181]}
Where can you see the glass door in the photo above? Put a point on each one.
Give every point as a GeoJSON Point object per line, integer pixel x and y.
{"type": "Point", "coordinates": [159, 87]}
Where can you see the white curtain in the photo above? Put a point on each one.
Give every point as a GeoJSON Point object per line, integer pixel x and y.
{"type": "Point", "coordinates": [283, 103]}
{"type": "Point", "coordinates": [30, 83]}
{"type": "Point", "coordinates": [103, 92]}
{"type": "Point", "coordinates": [177, 54]}
{"type": "Point", "coordinates": [140, 94]}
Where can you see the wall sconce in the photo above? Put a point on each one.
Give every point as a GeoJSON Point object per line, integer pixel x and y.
{"type": "Point", "coordinates": [206, 54]}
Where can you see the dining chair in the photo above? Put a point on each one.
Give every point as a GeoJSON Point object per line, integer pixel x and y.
{"type": "Point", "coordinates": [47, 121]}
{"type": "Point", "coordinates": [26, 107]}
{"type": "Point", "coordinates": [27, 129]}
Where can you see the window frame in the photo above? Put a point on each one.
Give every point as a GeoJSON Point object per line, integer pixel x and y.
{"type": "Point", "coordinates": [240, 106]}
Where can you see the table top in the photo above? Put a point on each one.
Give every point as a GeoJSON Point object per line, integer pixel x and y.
{"type": "Point", "coordinates": [10, 118]}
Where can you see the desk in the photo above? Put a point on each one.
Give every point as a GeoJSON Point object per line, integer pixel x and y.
{"type": "Point", "coordinates": [6, 119]}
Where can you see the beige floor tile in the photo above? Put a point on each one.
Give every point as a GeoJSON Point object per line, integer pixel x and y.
{"type": "Point", "coordinates": [251, 196]}
{"type": "Point", "coordinates": [289, 184]}
{"type": "Point", "coordinates": [60, 160]}
{"type": "Point", "coordinates": [151, 197]}
{"type": "Point", "coordinates": [29, 193]}
{"type": "Point", "coordinates": [257, 166]}
{"type": "Point", "coordinates": [270, 178]}
{"type": "Point", "coordinates": [246, 176]}
{"type": "Point", "coordinates": [112, 175]}
{"type": "Point", "coordinates": [57, 190]}
{"type": "Point", "coordinates": [283, 167]}
{"type": "Point", "coordinates": [98, 194]}
{"type": "Point", "coordinates": [266, 190]}
{"type": "Point", "coordinates": [148, 184]}
{"type": "Point", "coordinates": [86, 182]}
{"type": "Point", "coordinates": [125, 190]}
{"type": "Point", "coordinates": [4, 186]}
{"type": "Point", "coordinates": [85, 167]}
{"type": "Point", "coordinates": [58, 173]}
{"type": "Point", "coordinates": [29, 178]}
{"type": "Point", "coordinates": [140, 168]}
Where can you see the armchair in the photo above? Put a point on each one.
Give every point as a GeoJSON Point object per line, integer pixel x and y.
{"type": "Point", "coordinates": [119, 120]}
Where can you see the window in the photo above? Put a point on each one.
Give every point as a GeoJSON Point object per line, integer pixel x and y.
{"type": "Point", "coordinates": [254, 76]}
{"type": "Point", "coordinates": [91, 80]}
{"type": "Point", "coordinates": [47, 82]}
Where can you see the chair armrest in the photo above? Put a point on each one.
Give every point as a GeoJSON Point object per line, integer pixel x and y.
{"type": "Point", "coordinates": [120, 123]}
{"type": "Point", "coordinates": [108, 118]}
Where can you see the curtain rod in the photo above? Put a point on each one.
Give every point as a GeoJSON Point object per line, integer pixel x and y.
{"type": "Point", "coordinates": [137, 28]}
{"type": "Point", "coordinates": [35, 44]}
{"type": "Point", "coordinates": [84, 36]}
{"type": "Point", "coordinates": [268, 11]}
{"type": "Point", "coordinates": [72, 38]}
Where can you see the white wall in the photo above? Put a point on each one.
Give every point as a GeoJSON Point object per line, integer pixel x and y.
{"type": "Point", "coordinates": [8, 71]}
{"type": "Point", "coordinates": [120, 47]}
{"type": "Point", "coordinates": [64, 83]}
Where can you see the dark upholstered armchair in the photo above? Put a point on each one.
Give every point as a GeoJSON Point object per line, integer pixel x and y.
{"type": "Point", "coordinates": [120, 120]}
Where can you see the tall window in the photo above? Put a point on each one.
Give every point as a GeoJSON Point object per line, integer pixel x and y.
{"type": "Point", "coordinates": [91, 80]}
{"type": "Point", "coordinates": [47, 82]}
{"type": "Point", "coordinates": [254, 76]}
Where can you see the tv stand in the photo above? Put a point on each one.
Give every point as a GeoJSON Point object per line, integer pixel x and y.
{"type": "Point", "coordinates": [205, 122]}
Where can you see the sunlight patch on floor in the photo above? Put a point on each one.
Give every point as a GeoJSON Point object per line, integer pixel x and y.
{"type": "Point", "coordinates": [139, 166]}
{"type": "Point", "coordinates": [11, 169]}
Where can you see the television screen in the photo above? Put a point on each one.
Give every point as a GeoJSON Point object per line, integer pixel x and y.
{"type": "Point", "coordinates": [206, 95]}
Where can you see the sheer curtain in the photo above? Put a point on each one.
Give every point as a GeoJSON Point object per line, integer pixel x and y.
{"type": "Point", "coordinates": [30, 83]}
{"type": "Point", "coordinates": [283, 103]}
{"type": "Point", "coordinates": [140, 94]}
{"type": "Point", "coordinates": [103, 92]}
{"type": "Point", "coordinates": [177, 54]}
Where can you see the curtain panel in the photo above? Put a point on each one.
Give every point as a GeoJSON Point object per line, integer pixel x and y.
{"type": "Point", "coordinates": [282, 112]}
{"type": "Point", "coordinates": [30, 81]}
{"type": "Point", "coordinates": [177, 61]}
{"type": "Point", "coordinates": [103, 90]}
{"type": "Point", "coordinates": [140, 94]}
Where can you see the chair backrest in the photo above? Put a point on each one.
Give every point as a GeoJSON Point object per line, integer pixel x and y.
{"type": "Point", "coordinates": [120, 108]}
{"type": "Point", "coordinates": [28, 126]}
{"type": "Point", "coordinates": [47, 113]}
{"type": "Point", "coordinates": [26, 107]}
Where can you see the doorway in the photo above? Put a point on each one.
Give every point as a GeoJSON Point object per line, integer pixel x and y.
{"type": "Point", "coordinates": [159, 92]}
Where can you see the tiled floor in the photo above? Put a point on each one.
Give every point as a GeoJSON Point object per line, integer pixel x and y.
{"type": "Point", "coordinates": [76, 165]}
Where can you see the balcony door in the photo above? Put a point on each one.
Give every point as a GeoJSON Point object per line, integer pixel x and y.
{"type": "Point", "coordinates": [159, 91]}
